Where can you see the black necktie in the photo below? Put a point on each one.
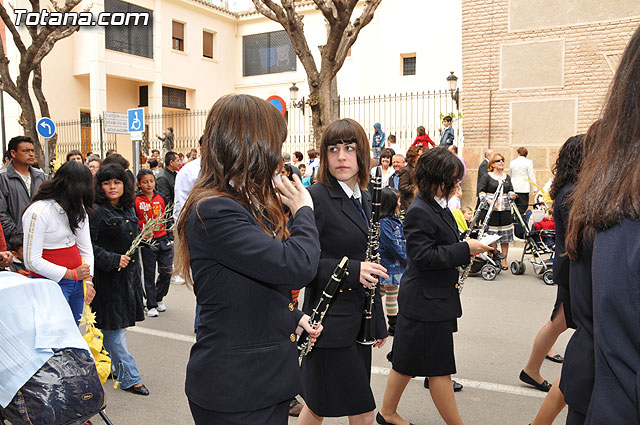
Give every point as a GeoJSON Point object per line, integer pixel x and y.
{"type": "Point", "coordinates": [359, 206]}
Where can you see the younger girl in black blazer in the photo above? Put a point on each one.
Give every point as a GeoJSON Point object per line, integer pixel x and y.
{"type": "Point", "coordinates": [336, 374]}
{"type": "Point", "coordinates": [429, 302]}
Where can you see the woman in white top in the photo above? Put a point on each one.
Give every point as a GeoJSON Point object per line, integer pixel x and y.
{"type": "Point", "coordinates": [385, 165]}
{"type": "Point", "coordinates": [56, 241]}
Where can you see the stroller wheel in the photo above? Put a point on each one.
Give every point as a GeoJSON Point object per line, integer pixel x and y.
{"type": "Point", "coordinates": [515, 267]}
{"type": "Point", "coordinates": [547, 277]}
{"type": "Point", "coordinates": [523, 268]}
{"type": "Point", "coordinates": [489, 272]}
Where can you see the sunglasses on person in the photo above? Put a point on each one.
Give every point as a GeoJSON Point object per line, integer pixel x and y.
{"type": "Point", "coordinates": [499, 160]}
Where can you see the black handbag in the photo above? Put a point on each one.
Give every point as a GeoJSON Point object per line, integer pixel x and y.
{"type": "Point", "coordinates": [66, 390]}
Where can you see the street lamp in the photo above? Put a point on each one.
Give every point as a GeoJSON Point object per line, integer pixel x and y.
{"type": "Point", "coordinates": [452, 80]}
{"type": "Point", "coordinates": [293, 93]}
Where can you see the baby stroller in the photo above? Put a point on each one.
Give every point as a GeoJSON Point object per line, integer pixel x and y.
{"type": "Point", "coordinates": [535, 246]}
{"type": "Point", "coordinates": [52, 378]}
{"type": "Point", "coordinates": [487, 264]}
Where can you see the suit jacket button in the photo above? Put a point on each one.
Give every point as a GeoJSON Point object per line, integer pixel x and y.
{"type": "Point", "coordinates": [292, 337]}
{"type": "Point", "coordinates": [290, 306]}
{"type": "Point", "coordinates": [131, 233]}
{"type": "Point", "coordinates": [126, 221]}
{"type": "Point", "coordinates": [341, 290]}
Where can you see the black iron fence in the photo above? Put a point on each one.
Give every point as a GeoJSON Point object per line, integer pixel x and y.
{"type": "Point", "coordinates": [399, 114]}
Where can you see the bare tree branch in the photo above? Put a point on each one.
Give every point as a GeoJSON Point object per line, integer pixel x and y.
{"type": "Point", "coordinates": [352, 31]}
{"type": "Point", "coordinates": [12, 29]}
{"type": "Point", "coordinates": [48, 43]}
{"type": "Point", "coordinates": [328, 9]}
{"type": "Point", "coordinates": [268, 11]}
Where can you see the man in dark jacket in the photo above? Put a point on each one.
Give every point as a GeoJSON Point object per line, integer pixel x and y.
{"type": "Point", "coordinates": [167, 177]}
{"type": "Point", "coordinates": [19, 181]}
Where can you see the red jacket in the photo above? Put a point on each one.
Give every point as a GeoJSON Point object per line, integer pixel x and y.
{"type": "Point", "coordinates": [146, 210]}
{"type": "Point", "coordinates": [545, 224]}
{"type": "Point", "coordinates": [423, 140]}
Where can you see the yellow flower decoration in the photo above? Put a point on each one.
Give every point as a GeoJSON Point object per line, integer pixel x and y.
{"type": "Point", "coordinates": [95, 340]}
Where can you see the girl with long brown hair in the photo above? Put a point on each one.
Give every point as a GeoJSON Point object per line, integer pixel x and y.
{"type": "Point", "coordinates": [600, 374]}
{"type": "Point", "coordinates": [234, 248]}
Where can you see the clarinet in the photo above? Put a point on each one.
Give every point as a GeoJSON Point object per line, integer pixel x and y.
{"type": "Point", "coordinates": [304, 342]}
{"type": "Point", "coordinates": [365, 335]}
{"type": "Point", "coordinates": [464, 273]}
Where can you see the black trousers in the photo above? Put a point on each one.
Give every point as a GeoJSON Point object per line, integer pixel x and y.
{"type": "Point", "coordinates": [522, 202]}
{"type": "Point", "coordinates": [162, 254]}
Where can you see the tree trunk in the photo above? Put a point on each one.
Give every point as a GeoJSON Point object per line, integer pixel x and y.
{"type": "Point", "coordinates": [44, 107]}
{"type": "Point", "coordinates": [28, 121]}
{"type": "Point", "coordinates": [325, 109]}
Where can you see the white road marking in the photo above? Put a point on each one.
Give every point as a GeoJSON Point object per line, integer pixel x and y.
{"type": "Point", "coordinates": [162, 334]}
{"type": "Point", "coordinates": [480, 385]}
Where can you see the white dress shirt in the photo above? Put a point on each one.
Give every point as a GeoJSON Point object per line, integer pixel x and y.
{"type": "Point", "coordinates": [46, 226]}
{"type": "Point", "coordinates": [521, 170]}
{"type": "Point", "coordinates": [185, 179]}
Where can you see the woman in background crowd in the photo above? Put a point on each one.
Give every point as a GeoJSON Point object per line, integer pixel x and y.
{"type": "Point", "coordinates": [57, 242]}
{"type": "Point", "coordinates": [501, 221]}
{"type": "Point", "coordinates": [118, 300]}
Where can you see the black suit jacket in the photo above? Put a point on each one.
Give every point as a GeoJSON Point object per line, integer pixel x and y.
{"type": "Point", "coordinates": [245, 356]}
{"type": "Point", "coordinates": [428, 291]}
{"type": "Point", "coordinates": [483, 170]}
{"type": "Point", "coordinates": [576, 381]}
{"type": "Point", "coordinates": [616, 319]}
{"type": "Point", "coordinates": [342, 231]}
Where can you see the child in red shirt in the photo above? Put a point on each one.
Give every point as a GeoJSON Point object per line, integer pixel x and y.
{"type": "Point", "coordinates": [547, 223]}
{"type": "Point", "coordinates": [149, 204]}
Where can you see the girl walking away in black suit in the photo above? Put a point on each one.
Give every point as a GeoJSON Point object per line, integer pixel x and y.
{"type": "Point", "coordinates": [429, 301]}
{"type": "Point", "coordinates": [606, 215]}
{"type": "Point", "coordinates": [234, 248]}
{"type": "Point", "coordinates": [336, 374]}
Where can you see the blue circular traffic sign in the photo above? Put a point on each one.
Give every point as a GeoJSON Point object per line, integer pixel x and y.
{"type": "Point", "coordinates": [46, 128]}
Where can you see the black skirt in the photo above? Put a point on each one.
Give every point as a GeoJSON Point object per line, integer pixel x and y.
{"type": "Point", "coordinates": [563, 298]}
{"type": "Point", "coordinates": [271, 415]}
{"type": "Point", "coordinates": [336, 381]}
{"type": "Point", "coordinates": [424, 348]}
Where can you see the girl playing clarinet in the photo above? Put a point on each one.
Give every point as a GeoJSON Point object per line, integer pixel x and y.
{"type": "Point", "coordinates": [336, 374]}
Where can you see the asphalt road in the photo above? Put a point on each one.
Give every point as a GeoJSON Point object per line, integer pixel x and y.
{"type": "Point", "coordinates": [500, 320]}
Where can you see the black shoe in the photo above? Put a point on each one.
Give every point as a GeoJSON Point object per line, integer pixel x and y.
{"type": "Point", "coordinates": [381, 421]}
{"type": "Point", "coordinates": [556, 359]}
{"type": "Point", "coordinates": [141, 390]}
{"type": "Point", "coordinates": [544, 386]}
{"type": "Point", "coordinates": [390, 356]}
{"type": "Point", "coordinates": [457, 387]}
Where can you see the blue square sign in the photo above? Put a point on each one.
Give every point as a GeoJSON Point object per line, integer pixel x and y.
{"type": "Point", "coordinates": [135, 120]}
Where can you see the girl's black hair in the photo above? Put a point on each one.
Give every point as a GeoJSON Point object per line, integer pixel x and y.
{"type": "Point", "coordinates": [144, 172]}
{"type": "Point", "coordinates": [388, 202]}
{"type": "Point", "coordinates": [568, 165]}
{"type": "Point", "coordinates": [289, 170]}
{"type": "Point", "coordinates": [72, 189]}
{"type": "Point", "coordinates": [438, 168]}
{"type": "Point", "coordinates": [114, 171]}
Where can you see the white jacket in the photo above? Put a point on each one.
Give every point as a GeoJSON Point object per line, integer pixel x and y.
{"type": "Point", "coordinates": [521, 170]}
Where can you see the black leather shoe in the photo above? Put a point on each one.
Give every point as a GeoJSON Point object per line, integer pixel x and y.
{"type": "Point", "coordinates": [556, 359]}
{"type": "Point", "coordinates": [381, 421]}
{"type": "Point", "coordinates": [544, 386]}
{"type": "Point", "coordinates": [141, 390]}
{"type": "Point", "coordinates": [457, 387]}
